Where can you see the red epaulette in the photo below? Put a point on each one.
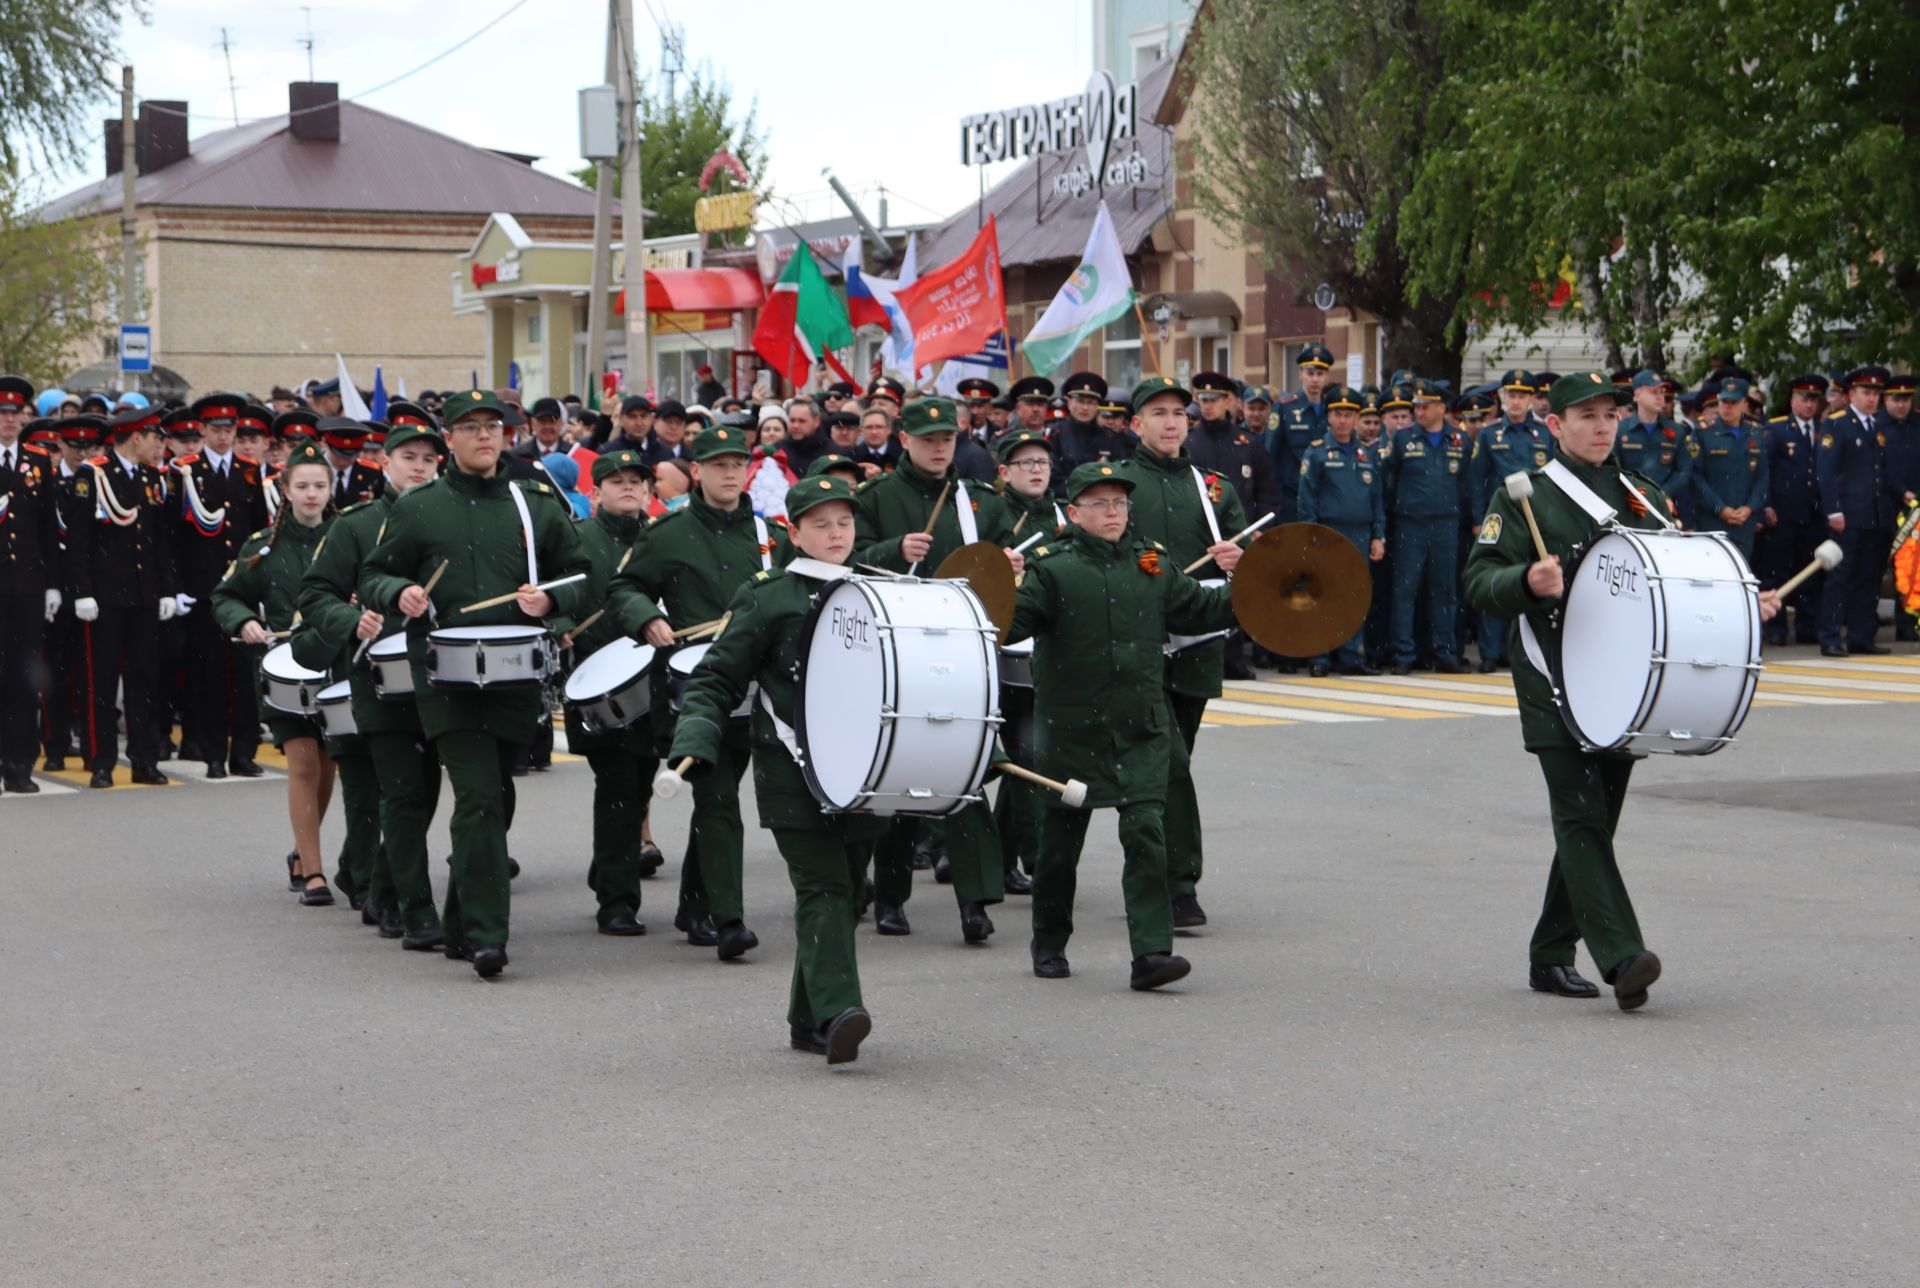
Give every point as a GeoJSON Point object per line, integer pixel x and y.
{"type": "Point", "coordinates": [245, 459]}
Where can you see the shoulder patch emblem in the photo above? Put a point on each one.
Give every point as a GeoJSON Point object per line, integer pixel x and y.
{"type": "Point", "coordinates": [762, 575]}
{"type": "Point", "coordinates": [1490, 531]}
{"type": "Point", "coordinates": [1693, 447]}
{"type": "Point", "coordinates": [1826, 440]}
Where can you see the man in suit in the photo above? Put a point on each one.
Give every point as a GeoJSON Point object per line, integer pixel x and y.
{"type": "Point", "coordinates": [1792, 523]}
{"type": "Point", "coordinates": [1851, 465]}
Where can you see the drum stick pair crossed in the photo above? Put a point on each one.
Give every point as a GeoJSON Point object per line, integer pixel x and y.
{"type": "Point", "coordinates": [1826, 555]}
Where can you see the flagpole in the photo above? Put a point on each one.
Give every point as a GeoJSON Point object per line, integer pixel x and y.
{"type": "Point", "coordinates": [1152, 355]}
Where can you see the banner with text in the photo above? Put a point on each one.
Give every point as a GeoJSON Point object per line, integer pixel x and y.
{"type": "Point", "coordinates": [953, 310]}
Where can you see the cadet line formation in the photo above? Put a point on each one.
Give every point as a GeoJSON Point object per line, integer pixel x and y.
{"type": "Point", "coordinates": [153, 554]}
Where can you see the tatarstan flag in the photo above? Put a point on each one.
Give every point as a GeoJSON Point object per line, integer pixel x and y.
{"type": "Point", "coordinates": [802, 321]}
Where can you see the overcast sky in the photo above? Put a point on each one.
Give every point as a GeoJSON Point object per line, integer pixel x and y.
{"type": "Point", "coordinates": [873, 88]}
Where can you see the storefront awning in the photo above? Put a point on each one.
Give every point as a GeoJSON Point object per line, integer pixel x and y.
{"type": "Point", "coordinates": [1195, 304]}
{"type": "Point", "coordinates": [698, 290]}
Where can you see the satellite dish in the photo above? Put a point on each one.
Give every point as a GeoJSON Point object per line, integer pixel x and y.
{"type": "Point", "coordinates": [1323, 297]}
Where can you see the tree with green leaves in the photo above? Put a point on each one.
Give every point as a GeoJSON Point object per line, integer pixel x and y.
{"type": "Point", "coordinates": [678, 136]}
{"type": "Point", "coordinates": [59, 283]}
{"type": "Point", "coordinates": [57, 61]}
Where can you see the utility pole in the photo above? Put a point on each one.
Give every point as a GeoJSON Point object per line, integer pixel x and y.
{"type": "Point", "coordinates": [602, 288]}
{"type": "Point", "coordinates": [233, 94]}
{"type": "Point", "coordinates": [130, 309]}
{"type": "Point", "coordinates": [633, 232]}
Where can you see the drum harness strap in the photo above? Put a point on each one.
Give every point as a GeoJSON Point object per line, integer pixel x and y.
{"type": "Point", "coordinates": [760, 537]}
{"type": "Point", "coordinates": [963, 506]}
{"type": "Point", "coordinates": [1597, 510]}
{"type": "Point", "coordinates": [526, 526]}
{"type": "Point", "coordinates": [1206, 504]}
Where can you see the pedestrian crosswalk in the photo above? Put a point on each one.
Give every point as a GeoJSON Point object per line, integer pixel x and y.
{"type": "Point", "coordinates": [1788, 681]}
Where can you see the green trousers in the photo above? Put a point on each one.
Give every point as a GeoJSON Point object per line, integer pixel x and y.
{"type": "Point", "coordinates": [1184, 850]}
{"type": "Point", "coordinates": [970, 842]}
{"type": "Point", "coordinates": [712, 882]}
{"type": "Point", "coordinates": [1143, 877]}
{"type": "Point", "coordinates": [1018, 805]}
{"type": "Point", "coordinates": [622, 782]}
{"type": "Point", "coordinates": [408, 773]}
{"type": "Point", "coordinates": [893, 854]}
{"type": "Point", "coordinates": [364, 873]}
{"type": "Point", "coordinates": [1586, 897]}
{"type": "Point", "coordinates": [827, 871]}
{"type": "Point", "coordinates": [480, 768]}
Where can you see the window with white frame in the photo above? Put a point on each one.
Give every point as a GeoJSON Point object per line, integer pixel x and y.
{"type": "Point", "coordinates": [1120, 346]}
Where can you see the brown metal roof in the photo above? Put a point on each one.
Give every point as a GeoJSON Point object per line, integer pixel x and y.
{"type": "Point", "coordinates": [381, 163]}
{"type": "Point", "coordinates": [1050, 228]}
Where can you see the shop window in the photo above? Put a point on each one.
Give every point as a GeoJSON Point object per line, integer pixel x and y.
{"type": "Point", "coordinates": [533, 327]}
{"type": "Point", "coordinates": [1120, 347]}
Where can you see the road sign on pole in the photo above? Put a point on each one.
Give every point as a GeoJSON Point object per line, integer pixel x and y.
{"type": "Point", "coordinates": [136, 349]}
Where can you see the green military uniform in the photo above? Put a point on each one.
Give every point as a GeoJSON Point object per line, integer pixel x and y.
{"type": "Point", "coordinates": [1098, 613]}
{"type": "Point", "coordinates": [825, 853]}
{"type": "Point", "coordinates": [473, 524]}
{"type": "Point", "coordinates": [1185, 510]}
{"type": "Point", "coordinates": [406, 767]}
{"type": "Point", "coordinates": [886, 509]}
{"type": "Point", "coordinates": [693, 560]}
{"type": "Point", "coordinates": [1586, 897]}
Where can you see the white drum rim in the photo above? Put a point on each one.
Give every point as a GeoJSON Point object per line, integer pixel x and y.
{"type": "Point", "coordinates": [284, 653]}
{"type": "Point", "coordinates": [390, 649]}
{"type": "Point", "coordinates": [599, 660]}
{"type": "Point", "coordinates": [487, 634]}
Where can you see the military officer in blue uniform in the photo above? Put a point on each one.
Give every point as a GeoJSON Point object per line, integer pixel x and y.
{"type": "Point", "coordinates": [1341, 487]}
{"type": "Point", "coordinates": [1730, 470]}
{"type": "Point", "coordinates": [1851, 466]}
{"type": "Point", "coordinates": [1792, 523]}
{"type": "Point", "coordinates": [1427, 498]}
{"type": "Point", "coordinates": [1379, 628]}
{"type": "Point", "coordinates": [1514, 443]}
{"type": "Point", "coordinates": [1651, 443]}
{"type": "Point", "coordinates": [1301, 421]}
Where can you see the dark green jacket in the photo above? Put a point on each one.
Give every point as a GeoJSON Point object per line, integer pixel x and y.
{"type": "Point", "coordinates": [889, 507]}
{"type": "Point", "coordinates": [1045, 513]}
{"type": "Point", "coordinates": [693, 560]}
{"type": "Point", "coordinates": [263, 584]}
{"type": "Point", "coordinates": [1167, 509]}
{"type": "Point", "coordinates": [472, 523]}
{"type": "Point", "coordinates": [326, 606]}
{"type": "Point", "coordinates": [608, 542]}
{"type": "Point", "coordinates": [1098, 617]}
{"type": "Point", "coordinates": [1496, 577]}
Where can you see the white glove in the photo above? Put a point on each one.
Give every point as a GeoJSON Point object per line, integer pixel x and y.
{"type": "Point", "coordinates": [53, 603]}
{"type": "Point", "coordinates": [184, 604]}
{"type": "Point", "coordinates": [168, 608]}
{"type": "Point", "coordinates": [86, 610]}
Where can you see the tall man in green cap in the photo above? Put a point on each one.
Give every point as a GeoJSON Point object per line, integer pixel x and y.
{"type": "Point", "coordinates": [1577, 492]}
{"type": "Point", "coordinates": [891, 515]}
{"type": "Point", "coordinates": [405, 769]}
{"type": "Point", "coordinates": [1189, 512]}
{"type": "Point", "coordinates": [694, 560]}
{"type": "Point", "coordinates": [1098, 604]}
{"type": "Point", "coordinates": [493, 535]}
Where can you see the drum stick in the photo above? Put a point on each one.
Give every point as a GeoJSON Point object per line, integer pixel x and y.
{"type": "Point", "coordinates": [668, 782]}
{"type": "Point", "coordinates": [938, 504]}
{"type": "Point", "coordinates": [1826, 557]}
{"type": "Point", "coordinates": [1520, 488]}
{"type": "Point", "coordinates": [1073, 792]}
{"type": "Point", "coordinates": [686, 631]}
{"type": "Point", "coordinates": [592, 617]}
{"type": "Point", "coordinates": [498, 600]}
{"type": "Point", "coordinates": [1236, 539]}
{"type": "Point", "coordinates": [1022, 547]}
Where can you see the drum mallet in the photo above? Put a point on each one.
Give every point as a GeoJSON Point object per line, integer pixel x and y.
{"type": "Point", "coordinates": [932, 519]}
{"type": "Point", "coordinates": [360, 653]}
{"type": "Point", "coordinates": [1826, 557]}
{"type": "Point", "coordinates": [668, 782]}
{"type": "Point", "coordinates": [1520, 488]}
{"type": "Point", "coordinates": [1236, 539]}
{"type": "Point", "coordinates": [511, 595]}
{"type": "Point", "coordinates": [1073, 792]}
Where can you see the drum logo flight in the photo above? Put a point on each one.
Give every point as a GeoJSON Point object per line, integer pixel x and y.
{"type": "Point", "coordinates": [1620, 576]}
{"type": "Point", "coordinates": [854, 629]}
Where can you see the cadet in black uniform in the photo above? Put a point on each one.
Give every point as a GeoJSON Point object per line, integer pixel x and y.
{"type": "Point", "coordinates": [64, 702]}
{"type": "Point", "coordinates": [1081, 437]}
{"type": "Point", "coordinates": [30, 578]}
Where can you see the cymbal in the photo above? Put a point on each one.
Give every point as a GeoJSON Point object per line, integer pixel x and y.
{"type": "Point", "coordinates": [985, 567]}
{"type": "Point", "coordinates": [1302, 590]}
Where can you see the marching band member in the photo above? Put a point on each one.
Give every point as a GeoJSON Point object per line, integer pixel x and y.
{"type": "Point", "coordinates": [490, 537]}
{"type": "Point", "coordinates": [257, 598]}
{"type": "Point", "coordinates": [1101, 709]}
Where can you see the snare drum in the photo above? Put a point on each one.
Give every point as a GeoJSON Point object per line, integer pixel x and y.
{"type": "Point", "coordinates": [392, 670]}
{"type": "Point", "coordinates": [680, 670]}
{"type": "Point", "coordinates": [1016, 665]}
{"type": "Point", "coordinates": [1178, 644]}
{"type": "Point", "coordinates": [1659, 646]}
{"type": "Point", "coordinates": [904, 678]}
{"type": "Point", "coordinates": [489, 657]}
{"type": "Point", "coordinates": [334, 709]}
{"type": "Point", "coordinates": [613, 688]}
{"type": "Point", "coordinates": [287, 686]}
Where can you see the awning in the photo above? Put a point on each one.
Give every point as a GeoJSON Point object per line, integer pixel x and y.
{"type": "Point", "coordinates": [698, 290]}
{"type": "Point", "coordinates": [1194, 304]}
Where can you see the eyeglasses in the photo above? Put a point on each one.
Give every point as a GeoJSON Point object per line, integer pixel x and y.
{"type": "Point", "coordinates": [1104, 507]}
{"type": "Point", "coordinates": [478, 426]}
{"type": "Point", "coordinates": [1037, 463]}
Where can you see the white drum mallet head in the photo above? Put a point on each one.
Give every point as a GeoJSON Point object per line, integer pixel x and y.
{"type": "Point", "coordinates": [1519, 485]}
{"type": "Point", "coordinates": [671, 778]}
{"type": "Point", "coordinates": [1520, 488]}
{"type": "Point", "coordinates": [1826, 557]}
{"type": "Point", "coordinates": [1074, 794]}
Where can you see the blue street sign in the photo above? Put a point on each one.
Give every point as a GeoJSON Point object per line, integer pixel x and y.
{"type": "Point", "coordinates": [136, 349]}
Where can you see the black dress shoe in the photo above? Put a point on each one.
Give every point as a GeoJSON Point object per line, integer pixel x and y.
{"type": "Point", "coordinates": [1403, 668]}
{"type": "Point", "coordinates": [1832, 650]}
{"type": "Point", "coordinates": [891, 919]}
{"type": "Point", "coordinates": [149, 776]}
{"type": "Point", "coordinates": [802, 1038]}
{"type": "Point", "coordinates": [513, 868]}
{"type": "Point", "coordinates": [1049, 963]}
{"type": "Point", "coordinates": [622, 923]}
{"type": "Point", "coordinates": [1187, 912]}
{"type": "Point", "coordinates": [1563, 980]}
{"type": "Point", "coordinates": [101, 778]}
{"type": "Point", "coordinates": [1632, 978]}
{"type": "Point", "coordinates": [369, 914]}
{"type": "Point", "coordinates": [244, 766]}
{"type": "Point", "coordinates": [1017, 882]}
{"type": "Point", "coordinates": [489, 961]}
{"type": "Point", "coordinates": [943, 870]}
{"type": "Point", "coordinates": [1157, 969]}
{"type": "Point", "coordinates": [845, 1033]}
{"type": "Point", "coordinates": [975, 925]}
{"type": "Point", "coordinates": [392, 925]}
{"type": "Point", "coordinates": [1869, 649]}
{"type": "Point", "coordinates": [1450, 666]}
{"type": "Point", "coordinates": [1237, 673]}
{"type": "Point", "coordinates": [316, 896]}
{"type": "Point", "coordinates": [1319, 671]}
{"type": "Point", "coordinates": [1488, 666]}
{"type": "Point", "coordinates": [216, 770]}
{"type": "Point", "coordinates": [698, 930]}
{"type": "Point", "coordinates": [189, 750]}
{"type": "Point", "coordinates": [55, 764]}
{"type": "Point", "coordinates": [1288, 666]}
{"type": "Point", "coordinates": [425, 939]}
{"type": "Point", "coordinates": [922, 856]}
{"type": "Point", "coordinates": [735, 939]}
{"type": "Point", "coordinates": [1359, 668]}
{"type": "Point", "coordinates": [21, 783]}
{"type": "Point", "coordinates": [651, 860]}
{"type": "Point", "coordinates": [455, 950]}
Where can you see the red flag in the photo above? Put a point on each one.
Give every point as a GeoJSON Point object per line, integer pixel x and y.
{"type": "Point", "coordinates": [955, 310]}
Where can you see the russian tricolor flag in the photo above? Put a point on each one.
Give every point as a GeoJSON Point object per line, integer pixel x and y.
{"type": "Point", "coordinates": [863, 308]}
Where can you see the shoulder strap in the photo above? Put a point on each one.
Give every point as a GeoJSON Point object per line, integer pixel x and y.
{"type": "Point", "coordinates": [1579, 493]}
{"type": "Point", "coordinates": [766, 546]}
{"type": "Point", "coordinates": [963, 506]}
{"type": "Point", "coordinates": [1206, 504]}
{"type": "Point", "coordinates": [526, 526]}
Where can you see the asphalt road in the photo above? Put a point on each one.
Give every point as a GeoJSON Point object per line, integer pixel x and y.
{"type": "Point", "coordinates": [201, 1082]}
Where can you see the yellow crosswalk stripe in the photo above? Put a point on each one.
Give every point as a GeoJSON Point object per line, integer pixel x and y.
{"type": "Point", "coordinates": [1292, 698]}
{"type": "Point", "coordinates": [1231, 720]}
{"type": "Point", "coordinates": [1411, 696]}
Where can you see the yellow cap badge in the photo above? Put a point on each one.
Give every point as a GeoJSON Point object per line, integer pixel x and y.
{"type": "Point", "coordinates": [1106, 469]}
{"type": "Point", "coordinates": [721, 434]}
{"type": "Point", "coordinates": [933, 413]}
{"type": "Point", "coordinates": [825, 483]}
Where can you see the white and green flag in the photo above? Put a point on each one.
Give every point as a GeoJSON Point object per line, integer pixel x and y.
{"type": "Point", "coordinates": [1098, 292]}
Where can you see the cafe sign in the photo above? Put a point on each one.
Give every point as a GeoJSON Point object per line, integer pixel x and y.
{"type": "Point", "coordinates": [1095, 119]}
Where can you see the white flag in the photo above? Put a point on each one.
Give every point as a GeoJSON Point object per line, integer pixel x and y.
{"type": "Point", "coordinates": [896, 354]}
{"type": "Point", "coordinates": [1098, 292]}
{"type": "Point", "coordinates": [351, 403]}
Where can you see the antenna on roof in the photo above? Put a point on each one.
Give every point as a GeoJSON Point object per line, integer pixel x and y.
{"type": "Point", "coordinates": [306, 42]}
{"type": "Point", "coordinates": [233, 93]}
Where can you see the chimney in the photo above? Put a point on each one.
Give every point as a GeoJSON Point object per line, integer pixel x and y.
{"type": "Point", "coordinates": [160, 135]}
{"type": "Point", "coordinates": [315, 107]}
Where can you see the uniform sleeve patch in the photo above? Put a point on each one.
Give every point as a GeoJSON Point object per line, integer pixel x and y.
{"type": "Point", "coordinates": [1490, 531]}
{"type": "Point", "coordinates": [1826, 440]}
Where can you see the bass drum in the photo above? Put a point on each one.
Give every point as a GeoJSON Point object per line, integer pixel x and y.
{"type": "Point", "coordinates": [1659, 645]}
{"type": "Point", "coordinates": [897, 696]}
{"type": "Point", "coordinates": [613, 688]}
